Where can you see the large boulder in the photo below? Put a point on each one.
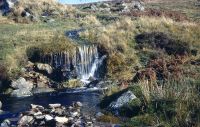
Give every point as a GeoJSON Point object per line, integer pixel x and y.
{"type": "Point", "coordinates": [127, 102]}
{"type": "Point", "coordinates": [22, 88]}
{"type": "Point", "coordinates": [21, 83]}
{"type": "Point", "coordinates": [123, 100]}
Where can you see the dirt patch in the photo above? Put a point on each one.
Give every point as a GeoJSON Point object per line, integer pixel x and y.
{"type": "Point", "coordinates": [162, 41]}
{"type": "Point", "coordinates": [175, 15]}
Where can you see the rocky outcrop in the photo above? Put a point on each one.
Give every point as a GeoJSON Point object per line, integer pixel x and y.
{"type": "Point", "coordinates": [115, 6]}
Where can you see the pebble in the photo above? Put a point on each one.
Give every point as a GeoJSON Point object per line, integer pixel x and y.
{"type": "Point", "coordinates": [61, 119]}
{"type": "Point", "coordinates": [54, 105]}
{"type": "Point", "coordinates": [48, 118]}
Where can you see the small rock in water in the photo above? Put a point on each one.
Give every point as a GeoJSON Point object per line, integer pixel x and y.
{"type": "Point", "coordinates": [37, 106]}
{"type": "Point", "coordinates": [99, 114]}
{"type": "Point", "coordinates": [39, 117]}
{"type": "Point", "coordinates": [54, 105]}
{"type": "Point", "coordinates": [78, 104]}
{"type": "Point", "coordinates": [48, 118]}
{"type": "Point", "coordinates": [5, 123]}
{"type": "Point", "coordinates": [74, 114]}
{"type": "Point", "coordinates": [37, 114]}
{"type": "Point", "coordinates": [0, 105]}
{"type": "Point", "coordinates": [61, 119]}
{"type": "Point", "coordinates": [25, 120]}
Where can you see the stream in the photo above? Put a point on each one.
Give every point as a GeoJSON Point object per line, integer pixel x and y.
{"type": "Point", "coordinates": [12, 107]}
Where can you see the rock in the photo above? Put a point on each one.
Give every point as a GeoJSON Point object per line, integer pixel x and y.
{"type": "Point", "coordinates": [61, 119]}
{"type": "Point", "coordinates": [78, 104]}
{"type": "Point", "coordinates": [25, 120]}
{"type": "Point", "coordinates": [74, 114]}
{"type": "Point", "coordinates": [122, 100]}
{"type": "Point", "coordinates": [6, 123]}
{"type": "Point", "coordinates": [21, 93]}
{"type": "Point", "coordinates": [21, 83]}
{"type": "Point", "coordinates": [39, 117]}
{"type": "Point", "coordinates": [37, 114]}
{"type": "Point", "coordinates": [138, 5]}
{"type": "Point", "coordinates": [44, 67]}
{"type": "Point", "coordinates": [0, 104]}
{"type": "Point", "coordinates": [99, 114]}
{"type": "Point", "coordinates": [48, 118]}
{"type": "Point", "coordinates": [22, 88]}
{"type": "Point", "coordinates": [37, 106]}
{"type": "Point", "coordinates": [54, 105]}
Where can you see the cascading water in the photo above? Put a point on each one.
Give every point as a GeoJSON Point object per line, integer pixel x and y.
{"type": "Point", "coordinates": [84, 64]}
{"type": "Point", "coordinates": [89, 62]}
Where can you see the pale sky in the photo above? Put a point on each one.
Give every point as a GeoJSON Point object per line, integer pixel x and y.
{"type": "Point", "coordinates": [78, 1]}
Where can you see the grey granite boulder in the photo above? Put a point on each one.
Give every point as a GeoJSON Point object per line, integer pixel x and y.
{"type": "Point", "coordinates": [123, 100]}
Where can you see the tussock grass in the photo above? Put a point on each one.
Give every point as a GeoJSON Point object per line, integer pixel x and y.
{"type": "Point", "coordinates": [90, 20]}
{"type": "Point", "coordinates": [118, 39]}
{"type": "Point", "coordinates": [174, 102]}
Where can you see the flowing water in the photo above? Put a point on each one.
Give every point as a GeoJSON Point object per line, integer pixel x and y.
{"type": "Point", "coordinates": [86, 63]}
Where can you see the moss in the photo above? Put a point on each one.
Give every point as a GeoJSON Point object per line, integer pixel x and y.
{"type": "Point", "coordinates": [141, 120]}
{"type": "Point", "coordinates": [109, 119]}
{"type": "Point", "coordinates": [73, 83]}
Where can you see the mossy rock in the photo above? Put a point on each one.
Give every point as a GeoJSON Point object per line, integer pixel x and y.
{"type": "Point", "coordinates": [73, 83]}
{"type": "Point", "coordinates": [109, 119]}
{"type": "Point", "coordinates": [132, 108]}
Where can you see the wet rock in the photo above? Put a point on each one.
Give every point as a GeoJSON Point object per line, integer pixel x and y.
{"type": "Point", "coordinates": [25, 120]}
{"type": "Point", "coordinates": [74, 114]}
{"type": "Point", "coordinates": [54, 105]}
{"type": "Point", "coordinates": [124, 99]}
{"type": "Point", "coordinates": [37, 107]}
{"type": "Point", "coordinates": [39, 117]}
{"type": "Point", "coordinates": [61, 119]}
{"type": "Point", "coordinates": [6, 123]}
{"type": "Point", "coordinates": [99, 114]}
{"type": "Point", "coordinates": [0, 104]}
{"type": "Point", "coordinates": [21, 93]}
{"type": "Point", "coordinates": [44, 67]}
{"type": "Point", "coordinates": [78, 104]}
{"type": "Point", "coordinates": [48, 118]}
{"type": "Point", "coordinates": [37, 114]}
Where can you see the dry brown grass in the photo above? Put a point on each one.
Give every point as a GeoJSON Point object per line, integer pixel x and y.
{"type": "Point", "coordinates": [119, 40]}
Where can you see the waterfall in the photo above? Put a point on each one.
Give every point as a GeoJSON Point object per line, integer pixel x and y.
{"type": "Point", "coordinates": [89, 62]}
{"type": "Point", "coordinates": [83, 64]}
